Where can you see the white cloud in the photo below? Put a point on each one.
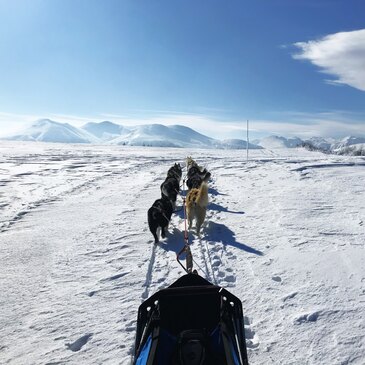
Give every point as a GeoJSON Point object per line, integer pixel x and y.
{"type": "Point", "coordinates": [341, 55]}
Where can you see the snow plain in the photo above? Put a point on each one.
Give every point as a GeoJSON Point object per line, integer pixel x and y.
{"type": "Point", "coordinates": [285, 232]}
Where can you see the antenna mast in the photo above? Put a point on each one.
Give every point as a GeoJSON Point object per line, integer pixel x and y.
{"type": "Point", "coordinates": [247, 142]}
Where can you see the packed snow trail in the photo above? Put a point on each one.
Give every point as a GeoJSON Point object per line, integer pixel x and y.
{"type": "Point", "coordinates": [284, 232]}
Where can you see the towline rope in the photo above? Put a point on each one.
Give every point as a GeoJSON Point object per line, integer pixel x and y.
{"type": "Point", "coordinates": [186, 248]}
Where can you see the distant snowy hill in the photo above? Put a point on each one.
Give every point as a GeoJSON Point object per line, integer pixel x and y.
{"type": "Point", "coordinates": [236, 144]}
{"type": "Point", "coordinates": [46, 130]}
{"type": "Point", "coordinates": [106, 130]}
{"type": "Point", "coordinates": [156, 135]}
{"type": "Point", "coordinates": [165, 136]}
{"type": "Point", "coordinates": [346, 142]}
{"type": "Point", "coordinates": [352, 150]}
{"type": "Point", "coordinates": [347, 146]}
{"type": "Point", "coordinates": [320, 143]}
{"type": "Point", "coordinates": [279, 142]}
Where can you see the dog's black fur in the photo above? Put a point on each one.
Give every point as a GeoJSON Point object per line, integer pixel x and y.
{"type": "Point", "coordinates": [196, 180]}
{"type": "Point", "coordinates": [175, 171]}
{"type": "Point", "coordinates": [196, 176]}
{"type": "Point", "coordinates": [169, 189]}
{"type": "Point", "coordinates": [194, 169]}
{"type": "Point", "coordinates": [159, 215]}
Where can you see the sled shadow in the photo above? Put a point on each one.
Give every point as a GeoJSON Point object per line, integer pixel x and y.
{"type": "Point", "coordinates": [220, 233]}
{"type": "Point", "coordinates": [219, 208]}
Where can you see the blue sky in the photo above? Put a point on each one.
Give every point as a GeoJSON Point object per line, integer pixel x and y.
{"type": "Point", "coordinates": [290, 67]}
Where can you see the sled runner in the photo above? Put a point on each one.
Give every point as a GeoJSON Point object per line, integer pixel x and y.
{"type": "Point", "coordinates": [192, 322]}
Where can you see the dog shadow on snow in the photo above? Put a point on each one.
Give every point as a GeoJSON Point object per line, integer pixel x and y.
{"type": "Point", "coordinates": [219, 208]}
{"type": "Point", "coordinates": [179, 211]}
{"type": "Point", "coordinates": [212, 231]}
{"type": "Point", "coordinates": [217, 232]}
{"type": "Point", "coordinates": [174, 241]}
{"type": "Point", "coordinates": [214, 192]}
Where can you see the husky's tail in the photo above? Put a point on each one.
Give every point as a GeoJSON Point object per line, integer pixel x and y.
{"type": "Point", "coordinates": [202, 197]}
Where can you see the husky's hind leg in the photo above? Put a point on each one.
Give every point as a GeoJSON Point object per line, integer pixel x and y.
{"type": "Point", "coordinates": [163, 231]}
{"type": "Point", "coordinates": [200, 217]}
{"type": "Point", "coordinates": [152, 224]}
{"type": "Point", "coordinates": [190, 216]}
{"type": "Point", "coordinates": [154, 233]}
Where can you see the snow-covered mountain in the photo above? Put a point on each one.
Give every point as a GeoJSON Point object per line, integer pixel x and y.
{"type": "Point", "coordinates": [158, 135]}
{"type": "Point", "coordinates": [352, 150]}
{"type": "Point", "coordinates": [346, 142]}
{"type": "Point", "coordinates": [279, 142]}
{"type": "Point", "coordinates": [46, 130]}
{"type": "Point", "coordinates": [236, 144]}
{"type": "Point", "coordinates": [320, 143]}
{"type": "Point", "coordinates": [106, 130]}
{"type": "Point", "coordinates": [349, 145]}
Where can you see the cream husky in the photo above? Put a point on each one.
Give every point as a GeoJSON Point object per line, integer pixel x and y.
{"type": "Point", "coordinates": [196, 206]}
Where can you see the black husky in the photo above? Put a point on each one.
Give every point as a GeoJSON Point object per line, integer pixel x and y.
{"type": "Point", "coordinates": [159, 215]}
{"type": "Point", "coordinates": [169, 190]}
{"type": "Point", "coordinates": [196, 180]}
{"type": "Point", "coordinates": [196, 177]}
{"type": "Point", "coordinates": [175, 171]}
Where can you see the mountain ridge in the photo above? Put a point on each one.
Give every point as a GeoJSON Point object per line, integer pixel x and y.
{"type": "Point", "coordinates": [156, 135]}
{"type": "Point", "coordinates": [179, 136]}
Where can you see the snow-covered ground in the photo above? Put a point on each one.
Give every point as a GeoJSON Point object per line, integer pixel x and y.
{"type": "Point", "coordinates": [285, 232]}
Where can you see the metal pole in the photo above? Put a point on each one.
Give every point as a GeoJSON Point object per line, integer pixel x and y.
{"type": "Point", "coordinates": [247, 141]}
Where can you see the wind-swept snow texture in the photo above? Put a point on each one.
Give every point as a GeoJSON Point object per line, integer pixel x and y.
{"type": "Point", "coordinates": [285, 232]}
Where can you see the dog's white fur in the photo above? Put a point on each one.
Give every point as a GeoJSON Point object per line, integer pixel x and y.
{"type": "Point", "coordinates": [196, 206]}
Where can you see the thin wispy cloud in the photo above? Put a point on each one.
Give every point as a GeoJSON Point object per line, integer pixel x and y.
{"type": "Point", "coordinates": [341, 55]}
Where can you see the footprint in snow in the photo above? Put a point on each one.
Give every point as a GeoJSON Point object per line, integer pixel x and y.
{"type": "Point", "coordinates": [252, 340]}
{"type": "Point", "coordinates": [79, 343]}
{"type": "Point", "coordinates": [276, 278]}
{"type": "Point", "coordinates": [306, 317]}
{"type": "Point", "coordinates": [114, 277]}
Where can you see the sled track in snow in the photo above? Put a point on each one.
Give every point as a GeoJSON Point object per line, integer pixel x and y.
{"type": "Point", "coordinates": [7, 224]}
{"type": "Point", "coordinates": [211, 256]}
{"type": "Point", "coordinates": [207, 261]}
